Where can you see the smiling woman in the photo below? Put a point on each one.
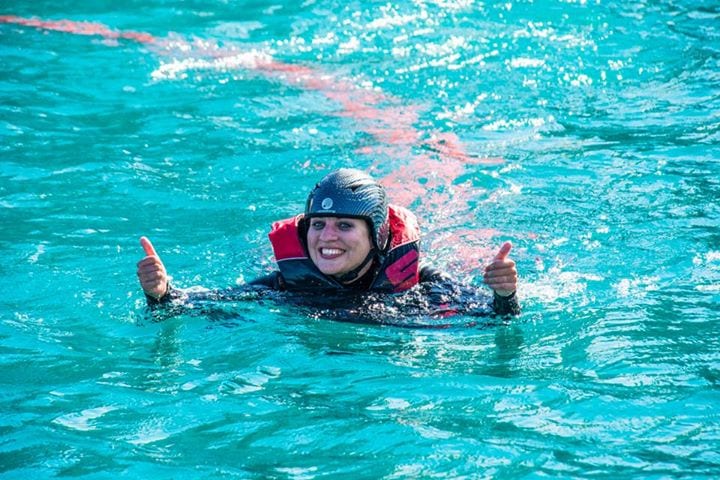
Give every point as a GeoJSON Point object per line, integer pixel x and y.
{"type": "Point", "coordinates": [348, 239]}
{"type": "Point", "coordinates": [340, 246]}
{"type": "Point", "coordinates": [348, 226]}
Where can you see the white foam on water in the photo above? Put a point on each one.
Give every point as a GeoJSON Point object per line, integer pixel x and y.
{"type": "Point", "coordinates": [178, 68]}
{"type": "Point", "coordinates": [82, 421]}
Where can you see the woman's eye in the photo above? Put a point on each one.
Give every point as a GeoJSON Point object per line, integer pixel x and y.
{"type": "Point", "coordinates": [318, 225]}
{"type": "Point", "coordinates": [345, 226]}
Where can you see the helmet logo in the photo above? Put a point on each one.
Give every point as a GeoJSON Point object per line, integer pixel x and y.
{"type": "Point", "coordinates": [327, 204]}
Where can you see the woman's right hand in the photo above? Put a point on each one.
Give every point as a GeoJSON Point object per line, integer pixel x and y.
{"type": "Point", "coordinates": [151, 272]}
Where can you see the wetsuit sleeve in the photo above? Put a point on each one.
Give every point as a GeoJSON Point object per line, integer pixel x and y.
{"type": "Point", "coordinates": [430, 274]}
{"type": "Point", "coordinates": [506, 305]}
{"type": "Point", "coordinates": [170, 295]}
{"type": "Point", "coordinates": [174, 296]}
{"type": "Point", "coordinates": [500, 305]}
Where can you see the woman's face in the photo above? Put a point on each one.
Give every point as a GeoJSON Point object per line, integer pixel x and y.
{"type": "Point", "coordinates": [338, 245]}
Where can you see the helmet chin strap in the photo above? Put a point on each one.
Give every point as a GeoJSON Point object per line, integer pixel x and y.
{"type": "Point", "coordinates": [353, 274]}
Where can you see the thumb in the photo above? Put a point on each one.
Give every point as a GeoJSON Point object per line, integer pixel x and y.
{"type": "Point", "coordinates": [504, 250]}
{"type": "Point", "coordinates": [148, 247]}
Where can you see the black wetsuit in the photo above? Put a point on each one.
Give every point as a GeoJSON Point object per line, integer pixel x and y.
{"type": "Point", "coordinates": [435, 295]}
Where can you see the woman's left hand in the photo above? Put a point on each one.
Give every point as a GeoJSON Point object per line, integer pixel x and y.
{"type": "Point", "coordinates": [500, 273]}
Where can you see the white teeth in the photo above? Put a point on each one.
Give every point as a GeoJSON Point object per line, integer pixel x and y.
{"type": "Point", "coordinates": [331, 251]}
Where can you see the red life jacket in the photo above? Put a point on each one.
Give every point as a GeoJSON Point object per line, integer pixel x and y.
{"type": "Point", "coordinates": [398, 271]}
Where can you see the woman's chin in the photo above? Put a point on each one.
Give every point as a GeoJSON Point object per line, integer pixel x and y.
{"type": "Point", "coordinates": [331, 272]}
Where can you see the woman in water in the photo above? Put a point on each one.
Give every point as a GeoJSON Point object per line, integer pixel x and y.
{"type": "Point", "coordinates": [349, 240]}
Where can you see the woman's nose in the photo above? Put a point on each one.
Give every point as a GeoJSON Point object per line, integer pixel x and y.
{"type": "Point", "coordinates": [328, 233]}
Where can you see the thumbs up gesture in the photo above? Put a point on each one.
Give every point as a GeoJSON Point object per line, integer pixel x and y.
{"type": "Point", "coordinates": [500, 273]}
{"type": "Point", "coordinates": [151, 271]}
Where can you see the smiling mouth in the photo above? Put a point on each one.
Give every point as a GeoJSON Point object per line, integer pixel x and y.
{"type": "Point", "coordinates": [331, 252]}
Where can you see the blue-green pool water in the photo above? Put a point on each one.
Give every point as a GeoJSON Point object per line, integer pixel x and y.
{"type": "Point", "coordinates": [587, 133]}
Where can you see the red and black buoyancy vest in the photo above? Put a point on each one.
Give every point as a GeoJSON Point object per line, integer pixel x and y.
{"type": "Point", "coordinates": [399, 270]}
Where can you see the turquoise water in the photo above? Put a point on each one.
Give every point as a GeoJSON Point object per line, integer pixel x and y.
{"type": "Point", "coordinates": [587, 133]}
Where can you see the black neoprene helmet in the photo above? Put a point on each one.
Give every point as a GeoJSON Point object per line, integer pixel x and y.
{"type": "Point", "coordinates": [354, 194]}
